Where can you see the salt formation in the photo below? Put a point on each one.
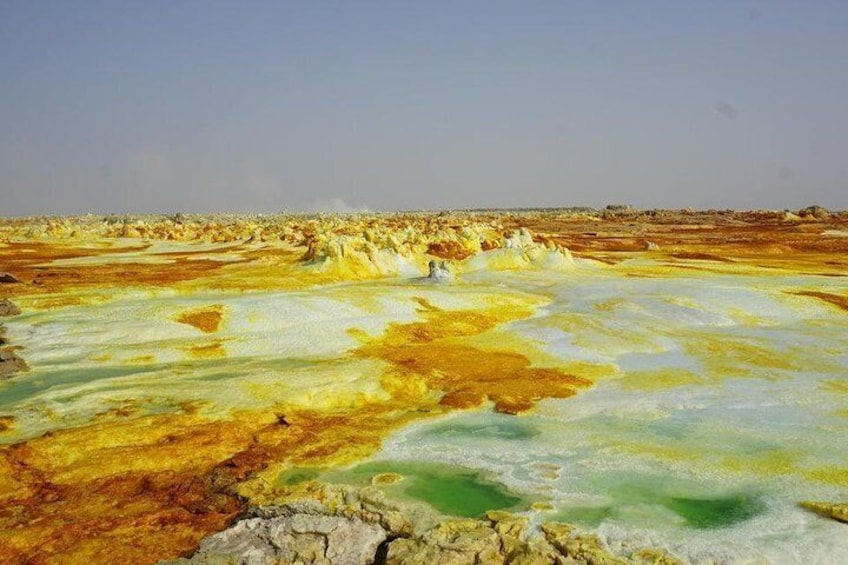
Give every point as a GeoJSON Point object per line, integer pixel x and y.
{"type": "Point", "coordinates": [520, 251]}
{"type": "Point", "coordinates": [358, 257]}
{"type": "Point", "coordinates": [472, 247]}
{"type": "Point", "coordinates": [438, 271]}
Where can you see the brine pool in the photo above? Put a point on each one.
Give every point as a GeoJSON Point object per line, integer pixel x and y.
{"type": "Point", "coordinates": [724, 401]}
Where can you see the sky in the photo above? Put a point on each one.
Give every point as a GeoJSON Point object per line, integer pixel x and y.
{"type": "Point", "coordinates": [205, 106]}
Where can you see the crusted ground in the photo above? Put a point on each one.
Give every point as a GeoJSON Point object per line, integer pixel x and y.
{"type": "Point", "coordinates": [137, 487]}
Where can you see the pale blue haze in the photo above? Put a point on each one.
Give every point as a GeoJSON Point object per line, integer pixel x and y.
{"type": "Point", "coordinates": [164, 106]}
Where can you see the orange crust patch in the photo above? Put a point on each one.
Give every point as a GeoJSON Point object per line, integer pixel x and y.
{"type": "Point", "coordinates": [150, 488]}
{"type": "Point", "coordinates": [206, 319]}
{"type": "Point", "coordinates": [429, 352]}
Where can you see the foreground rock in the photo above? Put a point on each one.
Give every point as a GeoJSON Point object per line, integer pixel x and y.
{"type": "Point", "coordinates": [358, 526]}
{"type": "Point", "coordinates": [8, 278]}
{"type": "Point", "coordinates": [293, 537]}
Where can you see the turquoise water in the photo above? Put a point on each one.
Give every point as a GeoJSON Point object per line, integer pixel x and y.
{"type": "Point", "coordinates": [449, 489]}
{"type": "Point", "coordinates": [686, 503]}
{"type": "Point", "coordinates": [722, 512]}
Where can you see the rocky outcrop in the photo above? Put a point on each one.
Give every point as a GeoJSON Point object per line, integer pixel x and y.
{"type": "Point", "coordinates": [8, 308]}
{"type": "Point", "coordinates": [452, 542]}
{"type": "Point", "coordinates": [8, 278]}
{"type": "Point", "coordinates": [815, 211]}
{"type": "Point", "coordinates": [293, 537]}
{"type": "Point", "coordinates": [345, 525]}
{"type": "Point", "coordinates": [454, 235]}
{"type": "Point", "coordinates": [504, 538]}
{"type": "Point", "coordinates": [837, 511]}
{"type": "Point", "coordinates": [10, 363]}
{"type": "Point", "coordinates": [323, 524]}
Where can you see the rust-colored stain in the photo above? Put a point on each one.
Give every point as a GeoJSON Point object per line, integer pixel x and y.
{"type": "Point", "coordinates": [144, 497]}
{"type": "Point", "coordinates": [207, 319]}
{"type": "Point", "coordinates": [151, 488]}
{"type": "Point", "coordinates": [748, 238]}
{"type": "Point", "coordinates": [701, 257]}
{"type": "Point", "coordinates": [448, 250]}
{"type": "Point", "coordinates": [31, 263]}
{"type": "Point", "coordinates": [838, 300]}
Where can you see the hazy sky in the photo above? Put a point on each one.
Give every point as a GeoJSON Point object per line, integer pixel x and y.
{"type": "Point", "coordinates": [165, 106]}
